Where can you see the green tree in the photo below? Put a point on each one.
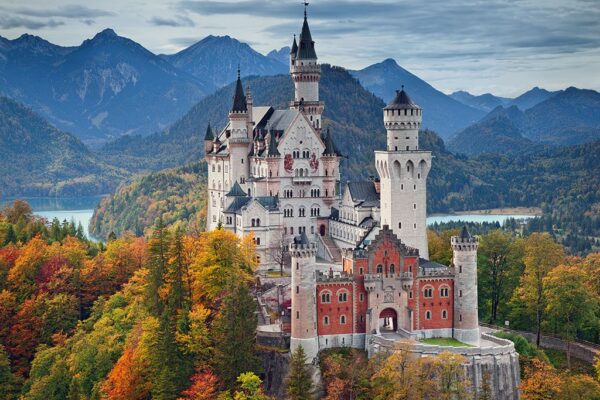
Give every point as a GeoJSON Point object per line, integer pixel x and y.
{"type": "Point", "coordinates": [157, 265]}
{"type": "Point", "coordinates": [7, 380]}
{"type": "Point", "coordinates": [234, 331]}
{"type": "Point", "coordinates": [299, 382]}
{"type": "Point", "coordinates": [250, 387]}
{"type": "Point", "coordinates": [569, 302]}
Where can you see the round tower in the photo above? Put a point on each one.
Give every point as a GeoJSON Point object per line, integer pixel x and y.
{"type": "Point", "coordinates": [403, 171]}
{"type": "Point", "coordinates": [466, 319]}
{"type": "Point", "coordinates": [304, 311]}
{"type": "Point", "coordinates": [239, 137]}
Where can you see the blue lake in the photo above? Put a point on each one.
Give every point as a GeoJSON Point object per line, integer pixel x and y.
{"type": "Point", "coordinates": [475, 218]}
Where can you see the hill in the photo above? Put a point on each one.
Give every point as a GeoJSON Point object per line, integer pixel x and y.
{"type": "Point", "coordinates": [485, 102]}
{"type": "Point", "coordinates": [214, 60]}
{"type": "Point", "coordinates": [441, 113]}
{"type": "Point", "coordinates": [36, 159]}
{"type": "Point", "coordinates": [354, 115]}
{"type": "Point", "coordinates": [282, 55]}
{"type": "Point", "coordinates": [568, 117]}
{"type": "Point", "coordinates": [531, 98]}
{"type": "Point", "coordinates": [99, 90]}
{"type": "Point", "coordinates": [178, 195]}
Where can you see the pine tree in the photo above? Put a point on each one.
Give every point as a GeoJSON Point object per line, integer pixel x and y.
{"type": "Point", "coordinates": [7, 380]}
{"type": "Point", "coordinates": [235, 330]}
{"type": "Point", "coordinates": [11, 236]}
{"type": "Point", "coordinates": [299, 382]}
{"type": "Point", "coordinates": [157, 266]}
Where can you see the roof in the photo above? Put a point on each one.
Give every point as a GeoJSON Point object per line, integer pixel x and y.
{"type": "Point", "coordinates": [401, 101]}
{"type": "Point", "coordinates": [302, 239]}
{"type": "Point", "coordinates": [464, 234]}
{"type": "Point", "coordinates": [273, 151]}
{"type": "Point", "coordinates": [330, 148]}
{"type": "Point", "coordinates": [236, 191]}
{"type": "Point", "coordinates": [268, 202]}
{"type": "Point", "coordinates": [209, 133]}
{"type": "Point", "coordinates": [306, 46]}
{"type": "Point", "coordinates": [294, 48]}
{"type": "Point", "coordinates": [278, 120]}
{"type": "Point", "coordinates": [239, 99]}
{"type": "Point", "coordinates": [368, 223]}
{"type": "Point", "coordinates": [364, 193]}
{"type": "Point", "coordinates": [423, 263]}
{"type": "Point", "coordinates": [237, 204]}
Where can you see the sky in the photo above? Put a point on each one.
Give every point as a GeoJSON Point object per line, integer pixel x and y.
{"type": "Point", "coordinates": [504, 47]}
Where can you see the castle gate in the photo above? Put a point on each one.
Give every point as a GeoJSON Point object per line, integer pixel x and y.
{"type": "Point", "coordinates": [388, 320]}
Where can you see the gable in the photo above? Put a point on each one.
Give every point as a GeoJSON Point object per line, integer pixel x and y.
{"type": "Point", "coordinates": [300, 136]}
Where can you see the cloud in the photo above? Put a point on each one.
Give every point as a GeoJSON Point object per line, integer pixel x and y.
{"type": "Point", "coordinates": [11, 22]}
{"type": "Point", "coordinates": [174, 22]}
{"type": "Point", "coordinates": [74, 11]}
{"type": "Point", "coordinates": [184, 41]}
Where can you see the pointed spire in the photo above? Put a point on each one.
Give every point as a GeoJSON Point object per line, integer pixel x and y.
{"type": "Point", "coordinates": [209, 133]}
{"type": "Point", "coordinates": [330, 149]}
{"type": "Point", "coordinates": [464, 234]}
{"type": "Point", "coordinates": [236, 191]}
{"type": "Point", "coordinates": [306, 46]}
{"type": "Point", "coordinates": [273, 151]}
{"type": "Point", "coordinates": [239, 99]}
{"type": "Point", "coordinates": [401, 101]}
{"type": "Point", "coordinates": [294, 48]}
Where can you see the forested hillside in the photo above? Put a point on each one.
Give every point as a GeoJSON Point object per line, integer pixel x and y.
{"type": "Point", "coordinates": [36, 159]}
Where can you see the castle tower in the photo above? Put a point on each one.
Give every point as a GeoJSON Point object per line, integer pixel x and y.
{"type": "Point", "coordinates": [208, 139]}
{"type": "Point", "coordinates": [403, 170]}
{"type": "Point", "coordinates": [239, 139]}
{"type": "Point", "coordinates": [306, 74]}
{"type": "Point", "coordinates": [304, 311]}
{"type": "Point", "coordinates": [466, 320]}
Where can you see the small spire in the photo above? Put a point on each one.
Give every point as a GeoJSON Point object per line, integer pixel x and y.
{"type": "Point", "coordinates": [209, 133]}
{"type": "Point", "coordinates": [239, 98]}
{"type": "Point", "coordinates": [238, 71]}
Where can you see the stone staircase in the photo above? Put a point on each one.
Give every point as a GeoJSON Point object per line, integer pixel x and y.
{"type": "Point", "coordinates": [335, 252]}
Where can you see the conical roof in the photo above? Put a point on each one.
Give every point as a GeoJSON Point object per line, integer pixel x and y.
{"type": "Point", "coordinates": [239, 99]}
{"type": "Point", "coordinates": [330, 149]}
{"type": "Point", "coordinates": [294, 48]}
{"type": "Point", "coordinates": [464, 233]}
{"type": "Point", "coordinates": [306, 46]}
{"type": "Point", "coordinates": [401, 101]}
{"type": "Point", "coordinates": [209, 133]}
{"type": "Point", "coordinates": [236, 191]}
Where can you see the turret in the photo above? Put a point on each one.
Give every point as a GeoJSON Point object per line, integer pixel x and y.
{"type": "Point", "coordinates": [240, 139]}
{"type": "Point", "coordinates": [402, 120]}
{"type": "Point", "coordinates": [238, 115]}
{"type": "Point", "coordinates": [466, 320]}
{"type": "Point", "coordinates": [208, 139]}
{"type": "Point", "coordinates": [304, 312]}
{"type": "Point", "coordinates": [293, 52]}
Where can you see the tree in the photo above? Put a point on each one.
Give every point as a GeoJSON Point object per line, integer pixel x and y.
{"type": "Point", "coordinates": [279, 252]}
{"type": "Point", "coordinates": [345, 374]}
{"type": "Point", "coordinates": [126, 380]}
{"type": "Point", "coordinates": [500, 259]}
{"type": "Point", "coordinates": [580, 386]}
{"type": "Point", "coordinates": [7, 380]}
{"type": "Point", "coordinates": [542, 254]}
{"type": "Point", "coordinates": [299, 382]}
{"type": "Point", "coordinates": [439, 245]}
{"type": "Point", "coordinates": [569, 302]}
{"type": "Point", "coordinates": [157, 265]}
{"type": "Point", "coordinates": [540, 382]}
{"type": "Point", "coordinates": [250, 387]}
{"type": "Point", "coordinates": [234, 331]}
{"type": "Point", "coordinates": [17, 210]}
{"type": "Point", "coordinates": [451, 379]}
{"type": "Point", "coordinates": [204, 386]}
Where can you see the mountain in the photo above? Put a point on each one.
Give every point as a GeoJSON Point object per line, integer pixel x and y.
{"type": "Point", "coordinates": [531, 98]}
{"type": "Point", "coordinates": [441, 113]}
{"type": "Point", "coordinates": [107, 86]}
{"type": "Point", "coordinates": [215, 60]}
{"type": "Point", "coordinates": [485, 102]}
{"type": "Point", "coordinates": [353, 114]}
{"type": "Point", "coordinates": [36, 159]}
{"type": "Point", "coordinates": [568, 117]}
{"type": "Point", "coordinates": [282, 55]}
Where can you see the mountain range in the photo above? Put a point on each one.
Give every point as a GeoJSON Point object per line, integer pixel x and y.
{"type": "Point", "coordinates": [487, 102]}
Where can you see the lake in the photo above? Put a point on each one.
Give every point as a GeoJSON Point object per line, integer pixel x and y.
{"type": "Point", "coordinates": [81, 209]}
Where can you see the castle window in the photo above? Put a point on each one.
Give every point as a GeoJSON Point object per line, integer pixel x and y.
{"type": "Point", "coordinates": [242, 160]}
{"type": "Point", "coordinates": [258, 241]}
{"type": "Point", "coordinates": [297, 266]}
{"type": "Point", "coordinates": [415, 226]}
{"type": "Point", "coordinates": [392, 269]}
{"type": "Point", "coordinates": [380, 269]}
{"type": "Point", "coordinates": [460, 269]}
{"type": "Point", "coordinates": [291, 230]}
{"type": "Point", "coordinates": [410, 294]}
{"type": "Point", "coordinates": [253, 222]}
{"type": "Point", "coordinates": [297, 289]}
{"type": "Point", "coordinates": [444, 314]}
{"type": "Point", "coordinates": [402, 186]}
{"type": "Point", "coordinates": [399, 225]}
{"type": "Point", "coordinates": [444, 291]}
{"type": "Point", "coordinates": [460, 317]}
{"type": "Point", "coordinates": [427, 314]}
{"type": "Point", "coordinates": [342, 296]}
{"type": "Point", "coordinates": [257, 221]}
{"type": "Point", "coordinates": [213, 168]}
{"type": "Point", "coordinates": [297, 314]}
{"type": "Point", "coordinates": [419, 175]}
{"type": "Point", "coordinates": [342, 319]}
{"type": "Point", "coordinates": [214, 218]}
{"type": "Point", "coordinates": [407, 150]}
{"type": "Point", "coordinates": [301, 212]}
{"type": "Point", "coordinates": [361, 271]}
{"type": "Point", "coordinates": [325, 297]}
{"type": "Point", "coordinates": [428, 292]}
{"type": "Point", "coordinates": [410, 268]}
{"type": "Point", "coordinates": [460, 293]}
{"type": "Point", "coordinates": [326, 320]}
{"type": "Point", "coordinates": [361, 297]}
{"type": "Point", "coordinates": [415, 206]}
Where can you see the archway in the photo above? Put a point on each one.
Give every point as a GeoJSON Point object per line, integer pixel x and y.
{"type": "Point", "coordinates": [388, 320]}
{"type": "Point", "coordinates": [322, 230]}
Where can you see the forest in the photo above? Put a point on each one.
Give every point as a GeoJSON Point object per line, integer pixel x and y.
{"type": "Point", "coordinates": [172, 316]}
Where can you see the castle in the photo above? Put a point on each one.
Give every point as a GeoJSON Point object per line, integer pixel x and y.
{"type": "Point", "coordinates": [358, 257]}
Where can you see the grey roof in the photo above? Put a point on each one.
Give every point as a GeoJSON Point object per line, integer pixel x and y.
{"type": "Point", "coordinates": [273, 151]}
{"type": "Point", "coordinates": [209, 133]}
{"type": "Point", "coordinates": [306, 46]}
{"type": "Point", "coordinates": [335, 213]}
{"type": "Point", "coordinates": [294, 48]}
{"type": "Point", "coordinates": [239, 99]}
{"type": "Point", "coordinates": [279, 120]}
{"type": "Point", "coordinates": [364, 193]}
{"type": "Point", "coordinates": [268, 202]}
{"type": "Point", "coordinates": [423, 263]}
{"type": "Point", "coordinates": [330, 148]}
{"type": "Point", "coordinates": [236, 191]}
{"type": "Point", "coordinates": [237, 204]}
{"type": "Point", "coordinates": [464, 234]}
{"type": "Point", "coordinates": [401, 101]}
{"type": "Point", "coordinates": [368, 222]}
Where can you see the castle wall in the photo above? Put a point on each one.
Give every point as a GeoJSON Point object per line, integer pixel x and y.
{"type": "Point", "coordinates": [441, 300]}
{"type": "Point", "coordinates": [329, 320]}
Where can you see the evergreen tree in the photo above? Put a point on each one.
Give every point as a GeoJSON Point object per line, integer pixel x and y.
{"type": "Point", "coordinates": [235, 333]}
{"type": "Point", "coordinates": [157, 266]}
{"type": "Point", "coordinates": [7, 381]}
{"type": "Point", "coordinates": [80, 234]}
{"type": "Point", "coordinates": [178, 292]}
{"type": "Point", "coordinates": [11, 236]}
{"type": "Point", "coordinates": [299, 382]}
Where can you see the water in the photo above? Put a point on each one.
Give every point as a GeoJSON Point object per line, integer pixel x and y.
{"type": "Point", "coordinates": [475, 218]}
{"type": "Point", "coordinates": [78, 209]}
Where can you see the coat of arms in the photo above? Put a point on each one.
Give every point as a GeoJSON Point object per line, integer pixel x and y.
{"type": "Point", "coordinates": [314, 163]}
{"type": "Point", "coordinates": [288, 163]}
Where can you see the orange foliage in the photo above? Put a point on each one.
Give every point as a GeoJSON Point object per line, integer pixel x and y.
{"type": "Point", "coordinates": [542, 381]}
{"type": "Point", "coordinates": [204, 387]}
{"type": "Point", "coordinates": [126, 381]}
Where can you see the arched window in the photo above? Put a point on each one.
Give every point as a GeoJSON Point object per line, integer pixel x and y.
{"type": "Point", "coordinates": [342, 296]}
{"type": "Point", "coordinates": [392, 269]}
{"type": "Point", "coordinates": [253, 222]}
{"type": "Point", "coordinates": [444, 291]}
{"type": "Point", "coordinates": [427, 292]}
{"type": "Point", "coordinates": [257, 221]}
{"type": "Point", "coordinates": [427, 314]}
{"type": "Point", "coordinates": [326, 320]}
{"type": "Point", "coordinates": [342, 319]}
{"type": "Point", "coordinates": [444, 314]}
{"type": "Point", "coordinates": [380, 269]}
{"type": "Point", "coordinates": [325, 297]}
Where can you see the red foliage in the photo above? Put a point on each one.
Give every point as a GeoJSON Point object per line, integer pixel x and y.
{"type": "Point", "coordinates": [25, 334]}
{"type": "Point", "coordinates": [204, 387]}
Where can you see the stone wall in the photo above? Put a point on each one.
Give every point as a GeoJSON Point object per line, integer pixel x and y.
{"type": "Point", "coordinates": [275, 369]}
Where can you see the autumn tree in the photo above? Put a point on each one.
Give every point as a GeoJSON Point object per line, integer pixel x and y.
{"type": "Point", "coordinates": [345, 374]}
{"type": "Point", "coordinates": [250, 387]}
{"type": "Point", "coordinates": [580, 386]}
{"type": "Point", "coordinates": [569, 302]}
{"type": "Point", "coordinates": [234, 332]}
{"type": "Point", "coordinates": [451, 379]}
{"type": "Point", "coordinates": [299, 381]}
{"type": "Point", "coordinates": [541, 255]}
{"type": "Point", "coordinates": [204, 386]}
{"type": "Point", "coordinates": [541, 381]}
{"type": "Point", "coordinates": [439, 245]}
{"type": "Point", "coordinates": [126, 380]}
{"type": "Point", "coordinates": [8, 389]}
{"type": "Point", "coordinates": [499, 259]}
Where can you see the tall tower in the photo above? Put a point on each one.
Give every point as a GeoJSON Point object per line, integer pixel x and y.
{"type": "Point", "coordinates": [306, 74]}
{"type": "Point", "coordinates": [239, 136]}
{"type": "Point", "coordinates": [304, 311]}
{"type": "Point", "coordinates": [403, 170]}
{"type": "Point", "coordinates": [466, 319]}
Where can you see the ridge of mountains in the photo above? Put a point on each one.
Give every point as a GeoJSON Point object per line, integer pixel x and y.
{"type": "Point", "coordinates": [488, 102]}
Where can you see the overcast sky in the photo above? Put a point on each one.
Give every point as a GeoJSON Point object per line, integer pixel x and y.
{"type": "Point", "coordinates": [499, 46]}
